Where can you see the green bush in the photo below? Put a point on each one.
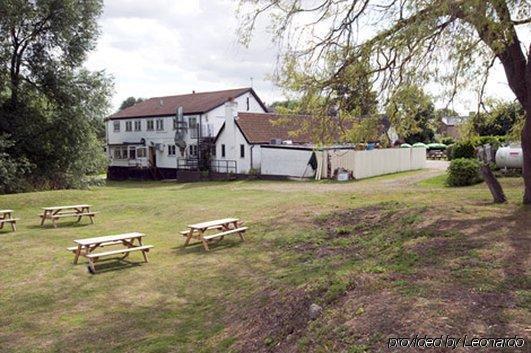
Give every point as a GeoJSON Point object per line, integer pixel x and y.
{"type": "Point", "coordinates": [13, 172]}
{"type": "Point", "coordinates": [463, 172]}
{"type": "Point", "coordinates": [463, 149]}
{"type": "Point", "coordinates": [447, 141]}
{"type": "Point", "coordinates": [494, 141]}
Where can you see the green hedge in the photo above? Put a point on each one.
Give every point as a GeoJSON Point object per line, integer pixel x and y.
{"type": "Point", "coordinates": [463, 149]}
{"type": "Point", "coordinates": [463, 172]}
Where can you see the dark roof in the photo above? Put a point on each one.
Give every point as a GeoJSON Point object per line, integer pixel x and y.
{"type": "Point", "coordinates": [193, 103]}
{"type": "Point", "coordinates": [261, 128]}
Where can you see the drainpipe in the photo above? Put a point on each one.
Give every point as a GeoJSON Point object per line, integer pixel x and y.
{"type": "Point", "coordinates": [252, 146]}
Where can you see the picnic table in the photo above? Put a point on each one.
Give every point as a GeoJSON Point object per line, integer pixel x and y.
{"type": "Point", "coordinates": [6, 216]}
{"type": "Point", "coordinates": [130, 241]}
{"type": "Point", "coordinates": [56, 212]}
{"type": "Point", "coordinates": [226, 225]}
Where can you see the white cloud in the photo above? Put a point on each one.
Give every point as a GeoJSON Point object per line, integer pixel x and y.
{"type": "Point", "coordinates": [165, 47]}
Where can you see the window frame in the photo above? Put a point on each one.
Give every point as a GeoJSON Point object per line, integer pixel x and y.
{"type": "Point", "coordinates": [150, 125]}
{"type": "Point", "coordinates": [116, 126]}
{"type": "Point", "coordinates": [159, 124]}
{"type": "Point", "coordinates": [242, 151]}
{"type": "Point", "coordinates": [172, 150]}
{"type": "Point", "coordinates": [223, 151]}
{"type": "Point", "coordinates": [128, 126]}
{"type": "Point", "coordinates": [138, 125]}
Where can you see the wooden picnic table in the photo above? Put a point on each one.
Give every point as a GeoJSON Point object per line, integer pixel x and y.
{"type": "Point", "coordinates": [226, 225]}
{"type": "Point", "coordinates": [56, 212]}
{"type": "Point", "coordinates": [130, 242]}
{"type": "Point", "coordinates": [6, 216]}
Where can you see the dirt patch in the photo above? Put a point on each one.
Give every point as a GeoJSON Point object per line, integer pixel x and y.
{"type": "Point", "coordinates": [273, 321]}
{"type": "Point", "coordinates": [418, 271]}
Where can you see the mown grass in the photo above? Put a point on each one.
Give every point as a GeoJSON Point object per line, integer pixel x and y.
{"type": "Point", "coordinates": [185, 300]}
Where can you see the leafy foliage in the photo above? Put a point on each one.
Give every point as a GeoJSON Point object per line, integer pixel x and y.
{"type": "Point", "coordinates": [463, 172]}
{"type": "Point", "coordinates": [12, 171]}
{"type": "Point", "coordinates": [129, 102]}
{"type": "Point", "coordinates": [463, 149]}
{"type": "Point", "coordinates": [335, 108]}
{"type": "Point", "coordinates": [412, 113]}
{"type": "Point", "coordinates": [51, 108]}
{"type": "Point", "coordinates": [499, 120]}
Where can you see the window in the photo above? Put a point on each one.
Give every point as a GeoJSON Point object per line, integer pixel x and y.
{"type": "Point", "coordinates": [128, 126]}
{"type": "Point", "coordinates": [222, 150]}
{"type": "Point", "coordinates": [138, 125]}
{"type": "Point", "coordinates": [160, 124]}
{"type": "Point", "coordinates": [120, 152]}
{"type": "Point", "coordinates": [213, 151]}
{"type": "Point", "coordinates": [132, 152]}
{"type": "Point", "coordinates": [248, 105]}
{"type": "Point", "coordinates": [171, 150]}
{"type": "Point", "coordinates": [116, 126]}
{"type": "Point", "coordinates": [150, 125]}
{"type": "Point", "coordinates": [242, 151]}
{"type": "Point", "coordinates": [192, 122]}
{"type": "Point", "coordinates": [193, 150]}
{"type": "Point", "coordinates": [117, 153]}
{"type": "Point", "coordinates": [141, 152]}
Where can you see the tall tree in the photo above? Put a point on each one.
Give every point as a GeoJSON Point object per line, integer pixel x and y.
{"type": "Point", "coordinates": [130, 101]}
{"type": "Point", "coordinates": [412, 114]}
{"type": "Point", "coordinates": [51, 109]}
{"type": "Point", "coordinates": [452, 42]}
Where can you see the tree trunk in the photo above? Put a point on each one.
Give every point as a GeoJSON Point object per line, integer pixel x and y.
{"type": "Point", "coordinates": [526, 149]}
{"type": "Point", "coordinates": [493, 184]}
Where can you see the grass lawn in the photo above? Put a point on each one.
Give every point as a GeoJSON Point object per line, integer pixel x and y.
{"type": "Point", "coordinates": [394, 255]}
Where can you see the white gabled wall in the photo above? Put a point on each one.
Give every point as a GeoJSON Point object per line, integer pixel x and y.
{"type": "Point", "coordinates": [232, 138]}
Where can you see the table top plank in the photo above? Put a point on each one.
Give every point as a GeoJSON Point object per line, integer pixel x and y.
{"type": "Point", "coordinates": [217, 222]}
{"type": "Point", "coordinates": [6, 211]}
{"type": "Point", "coordinates": [54, 208]}
{"type": "Point", "coordinates": [108, 238]}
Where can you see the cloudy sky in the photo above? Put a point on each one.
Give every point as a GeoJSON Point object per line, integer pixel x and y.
{"type": "Point", "coordinates": [165, 47]}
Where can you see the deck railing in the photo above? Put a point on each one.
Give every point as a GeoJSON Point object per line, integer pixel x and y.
{"type": "Point", "coordinates": [216, 165]}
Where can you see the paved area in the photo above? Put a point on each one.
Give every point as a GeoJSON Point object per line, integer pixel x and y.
{"type": "Point", "coordinates": [437, 165]}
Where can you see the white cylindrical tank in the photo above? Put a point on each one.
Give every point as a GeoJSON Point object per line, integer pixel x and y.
{"type": "Point", "coordinates": [509, 157]}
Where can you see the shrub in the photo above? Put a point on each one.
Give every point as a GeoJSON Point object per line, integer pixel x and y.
{"type": "Point", "coordinates": [463, 172]}
{"type": "Point", "coordinates": [463, 149]}
{"type": "Point", "coordinates": [447, 141]}
{"type": "Point", "coordinates": [494, 141]}
{"type": "Point", "coordinates": [13, 172]}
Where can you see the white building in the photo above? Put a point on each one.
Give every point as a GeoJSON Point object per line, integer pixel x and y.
{"type": "Point", "coordinates": [220, 132]}
{"type": "Point", "coordinates": [142, 137]}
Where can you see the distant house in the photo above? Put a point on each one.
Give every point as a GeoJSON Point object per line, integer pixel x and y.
{"type": "Point", "coordinates": [450, 126]}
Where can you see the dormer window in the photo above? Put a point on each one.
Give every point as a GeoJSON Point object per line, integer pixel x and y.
{"type": "Point", "coordinates": [248, 104]}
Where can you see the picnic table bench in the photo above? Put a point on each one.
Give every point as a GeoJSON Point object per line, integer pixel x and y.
{"type": "Point", "coordinates": [227, 226]}
{"type": "Point", "coordinates": [131, 242]}
{"type": "Point", "coordinates": [6, 216]}
{"type": "Point", "coordinates": [56, 212]}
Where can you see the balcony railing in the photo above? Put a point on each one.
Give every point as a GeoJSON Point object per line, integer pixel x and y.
{"type": "Point", "coordinates": [216, 165]}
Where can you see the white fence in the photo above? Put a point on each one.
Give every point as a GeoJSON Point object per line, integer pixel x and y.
{"type": "Point", "coordinates": [366, 164]}
{"type": "Point", "coordinates": [363, 164]}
